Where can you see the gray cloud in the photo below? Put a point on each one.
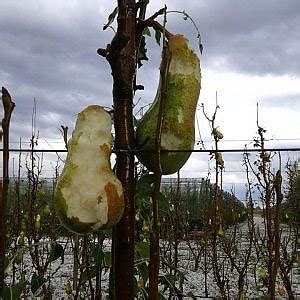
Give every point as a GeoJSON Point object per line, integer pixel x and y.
{"type": "Point", "coordinates": [291, 101]}
{"type": "Point", "coordinates": [52, 57]}
{"type": "Point", "coordinates": [255, 37]}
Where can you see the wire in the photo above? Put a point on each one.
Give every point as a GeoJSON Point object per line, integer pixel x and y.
{"type": "Point", "coordinates": [205, 141]}
{"type": "Point", "coordinates": [133, 151]}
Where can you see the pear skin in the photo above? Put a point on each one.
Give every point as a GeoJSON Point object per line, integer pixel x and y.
{"type": "Point", "coordinates": [88, 195]}
{"type": "Point", "coordinates": [178, 130]}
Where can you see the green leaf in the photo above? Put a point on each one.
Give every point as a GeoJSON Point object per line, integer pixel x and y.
{"type": "Point", "coordinates": [142, 52]}
{"type": "Point", "coordinates": [111, 18]}
{"type": "Point", "coordinates": [36, 282]}
{"type": "Point", "coordinates": [157, 36]}
{"type": "Point", "coordinates": [14, 292]}
{"type": "Point", "coordinates": [143, 191]}
{"type": "Point", "coordinates": [171, 279]}
{"type": "Point", "coordinates": [147, 31]}
{"type": "Point", "coordinates": [168, 281]}
{"type": "Point", "coordinates": [181, 278]}
{"type": "Point", "coordinates": [145, 186]}
{"type": "Point", "coordinates": [7, 264]}
{"type": "Point", "coordinates": [89, 274]}
{"type": "Point", "coordinates": [163, 202]}
{"type": "Point", "coordinates": [56, 252]}
{"type": "Point", "coordinates": [191, 295]}
{"type": "Point", "coordinates": [5, 292]}
{"type": "Point", "coordinates": [98, 255]}
{"type": "Point", "coordinates": [266, 297]}
{"type": "Point", "coordinates": [143, 249]}
{"type": "Point", "coordinates": [143, 271]}
{"type": "Point", "coordinates": [135, 287]}
{"type": "Point", "coordinates": [161, 296]}
{"type": "Point", "coordinates": [107, 259]}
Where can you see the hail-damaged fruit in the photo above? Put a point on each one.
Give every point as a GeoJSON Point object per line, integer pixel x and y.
{"type": "Point", "coordinates": [88, 195]}
{"type": "Point", "coordinates": [180, 67]}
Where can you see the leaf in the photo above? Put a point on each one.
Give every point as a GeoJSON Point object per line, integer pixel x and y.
{"type": "Point", "coordinates": [14, 292]}
{"type": "Point", "coordinates": [144, 189]}
{"type": "Point", "coordinates": [89, 274]}
{"type": "Point", "coordinates": [161, 296]}
{"type": "Point", "coordinates": [36, 282]}
{"type": "Point", "coordinates": [181, 278]}
{"type": "Point", "coordinates": [164, 204]}
{"type": "Point", "coordinates": [107, 259]}
{"type": "Point", "coordinates": [56, 252]}
{"type": "Point", "coordinates": [171, 279]}
{"type": "Point", "coordinates": [5, 292]}
{"type": "Point", "coordinates": [135, 121]}
{"type": "Point", "coordinates": [201, 47]}
{"type": "Point", "coordinates": [191, 295]}
{"type": "Point", "coordinates": [143, 249]}
{"type": "Point", "coordinates": [111, 18]}
{"type": "Point", "coordinates": [135, 287]}
{"type": "Point", "coordinates": [143, 271]}
{"type": "Point", "coordinates": [140, 144]}
{"type": "Point", "coordinates": [7, 264]}
{"type": "Point", "coordinates": [98, 255]}
{"type": "Point", "coordinates": [147, 31]}
{"type": "Point", "coordinates": [168, 281]}
{"type": "Point", "coordinates": [145, 186]}
{"type": "Point", "coordinates": [142, 52]}
{"type": "Point", "coordinates": [157, 36]}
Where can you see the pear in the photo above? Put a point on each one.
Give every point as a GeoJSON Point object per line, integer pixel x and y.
{"type": "Point", "coordinates": [88, 195]}
{"type": "Point", "coordinates": [181, 68]}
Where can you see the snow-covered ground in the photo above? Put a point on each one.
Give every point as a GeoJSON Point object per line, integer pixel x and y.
{"type": "Point", "coordinates": [253, 283]}
{"type": "Point", "coordinates": [194, 279]}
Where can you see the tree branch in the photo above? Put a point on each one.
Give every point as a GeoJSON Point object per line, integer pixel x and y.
{"type": "Point", "coordinates": [8, 106]}
{"type": "Point", "coordinates": [154, 24]}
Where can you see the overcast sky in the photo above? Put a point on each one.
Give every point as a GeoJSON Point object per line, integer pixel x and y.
{"type": "Point", "coordinates": [251, 54]}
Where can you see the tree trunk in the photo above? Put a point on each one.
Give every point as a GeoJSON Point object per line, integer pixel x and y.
{"type": "Point", "coordinates": [122, 58]}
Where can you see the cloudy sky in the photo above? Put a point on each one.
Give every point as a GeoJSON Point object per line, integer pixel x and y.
{"type": "Point", "coordinates": [251, 55]}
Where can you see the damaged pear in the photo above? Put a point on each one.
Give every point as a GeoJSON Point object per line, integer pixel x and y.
{"type": "Point", "coordinates": [88, 195]}
{"type": "Point", "coordinates": [180, 67]}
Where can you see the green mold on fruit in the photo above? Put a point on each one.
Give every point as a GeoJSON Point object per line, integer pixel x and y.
{"type": "Point", "coordinates": [181, 68]}
{"type": "Point", "coordinates": [88, 195]}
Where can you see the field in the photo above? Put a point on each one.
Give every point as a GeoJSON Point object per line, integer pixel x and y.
{"type": "Point", "coordinates": [153, 161]}
{"type": "Point", "coordinates": [194, 284]}
{"type": "Point", "coordinates": [41, 257]}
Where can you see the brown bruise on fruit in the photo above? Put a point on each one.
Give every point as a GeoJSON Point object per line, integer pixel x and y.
{"type": "Point", "coordinates": [105, 149]}
{"type": "Point", "coordinates": [113, 197]}
{"type": "Point", "coordinates": [99, 199]}
{"type": "Point", "coordinates": [178, 131]}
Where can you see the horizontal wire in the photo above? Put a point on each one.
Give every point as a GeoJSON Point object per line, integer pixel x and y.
{"type": "Point", "coordinates": [165, 180]}
{"type": "Point", "coordinates": [205, 141]}
{"type": "Point", "coordinates": [133, 151]}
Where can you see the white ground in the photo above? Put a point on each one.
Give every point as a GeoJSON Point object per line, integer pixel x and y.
{"type": "Point", "coordinates": [194, 279]}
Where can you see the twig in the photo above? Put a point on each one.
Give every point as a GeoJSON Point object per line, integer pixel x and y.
{"type": "Point", "coordinates": [187, 16]}
{"type": "Point", "coordinates": [8, 106]}
{"type": "Point", "coordinates": [154, 24]}
{"type": "Point", "coordinates": [154, 233]}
